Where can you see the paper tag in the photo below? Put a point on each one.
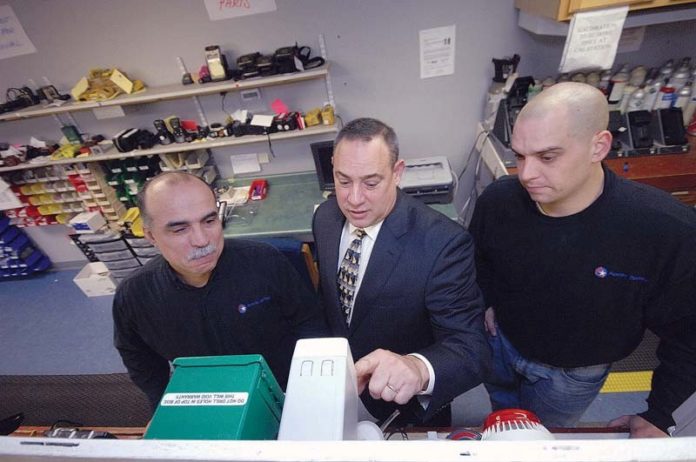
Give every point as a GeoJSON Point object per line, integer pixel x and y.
{"type": "Point", "coordinates": [8, 200]}
{"type": "Point", "coordinates": [245, 163]}
{"type": "Point", "coordinates": [631, 39]}
{"type": "Point", "coordinates": [240, 114]}
{"type": "Point", "coordinates": [205, 399]}
{"type": "Point", "coordinates": [108, 112]}
{"type": "Point", "coordinates": [37, 143]}
{"type": "Point", "coordinates": [262, 120]}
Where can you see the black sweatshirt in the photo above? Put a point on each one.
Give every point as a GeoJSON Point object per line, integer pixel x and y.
{"type": "Point", "coordinates": [254, 303]}
{"type": "Point", "coordinates": [580, 290]}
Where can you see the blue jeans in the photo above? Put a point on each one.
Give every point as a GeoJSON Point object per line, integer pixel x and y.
{"type": "Point", "coordinates": [558, 396]}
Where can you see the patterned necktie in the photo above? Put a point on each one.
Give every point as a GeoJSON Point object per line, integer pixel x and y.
{"type": "Point", "coordinates": [347, 276]}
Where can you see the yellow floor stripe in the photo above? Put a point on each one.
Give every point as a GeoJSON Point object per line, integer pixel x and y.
{"type": "Point", "coordinates": [618, 382]}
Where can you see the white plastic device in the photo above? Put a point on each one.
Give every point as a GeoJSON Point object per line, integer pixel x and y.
{"type": "Point", "coordinates": [321, 400]}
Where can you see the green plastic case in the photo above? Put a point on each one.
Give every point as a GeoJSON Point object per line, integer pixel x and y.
{"type": "Point", "coordinates": [219, 398]}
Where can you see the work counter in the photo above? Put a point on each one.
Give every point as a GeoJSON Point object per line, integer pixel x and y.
{"type": "Point", "coordinates": [287, 210]}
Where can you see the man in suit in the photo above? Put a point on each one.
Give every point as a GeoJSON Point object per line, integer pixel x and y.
{"type": "Point", "coordinates": [205, 296]}
{"type": "Point", "coordinates": [397, 279]}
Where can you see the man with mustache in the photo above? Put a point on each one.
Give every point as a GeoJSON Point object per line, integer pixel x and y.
{"type": "Point", "coordinates": [576, 263]}
{"type": "Point", "coordinates": [205, 296]}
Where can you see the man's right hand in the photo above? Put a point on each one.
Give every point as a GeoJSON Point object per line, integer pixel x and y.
{"type": "Point", "coordinates": [489, 321]}
{"type": "Point", "coordinates": [390, 376]}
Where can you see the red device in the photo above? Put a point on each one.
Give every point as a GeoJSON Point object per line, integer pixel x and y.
{"type": "Point", "coordinates": [258, 190]}
{"type": "Point", "coordinates": [509, 415]}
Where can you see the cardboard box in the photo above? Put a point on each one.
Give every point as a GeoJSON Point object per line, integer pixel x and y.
{"type": "Point", "coordinates": [95, 280]}
{"type": "Point", "coordinates": [87, 222]}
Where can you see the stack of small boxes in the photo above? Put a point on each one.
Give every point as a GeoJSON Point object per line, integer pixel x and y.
{"type": "Point", "coordinates": [47, 196]}
{"type": "Point", "coordinates": [127, 176]}
{"type": "Point", "coordinates": [198, 163]}
{"type": "Point", "coordinates": [100, 195]}
{"type": "Point", "coordinates": [112, 250]}
{"type": "Point", "coordinates": [144, 251]}
{"type": "Point", "coordinates": [18, 255]}
{"type": "Point", "coordinates": [113, 253]}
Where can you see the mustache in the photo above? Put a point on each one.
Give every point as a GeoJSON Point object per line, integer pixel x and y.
{"type": "Point", "coordinates": [201, 252]}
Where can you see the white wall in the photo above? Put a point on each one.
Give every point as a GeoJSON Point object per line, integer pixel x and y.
{"type": "Point", "coordinates": [372, 46]}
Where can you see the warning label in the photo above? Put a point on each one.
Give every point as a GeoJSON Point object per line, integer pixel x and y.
{"type": "Point", "coordinates": [205, 399]}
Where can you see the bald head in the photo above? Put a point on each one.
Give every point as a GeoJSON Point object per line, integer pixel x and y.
{"type": "Point", "coordinates": [583, 107]}
{"type": "Point", "coordinates": [164, 183]}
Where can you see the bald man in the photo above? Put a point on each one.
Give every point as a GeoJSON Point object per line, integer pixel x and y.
{"type": "Point", "coordinates": [575, 263]}
{"type": "Point", "coordinates": [205, 296]}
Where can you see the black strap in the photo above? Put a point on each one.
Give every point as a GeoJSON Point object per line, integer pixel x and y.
{"type": "Point", "coordinates": [303, 54]}
{"type": "Point", "coordinates": [313, 62]}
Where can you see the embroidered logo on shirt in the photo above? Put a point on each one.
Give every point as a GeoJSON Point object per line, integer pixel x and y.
{"type": "Point", "coordinates": [244, 307]}
{"type": "Point", "coordinates": [602, 272]}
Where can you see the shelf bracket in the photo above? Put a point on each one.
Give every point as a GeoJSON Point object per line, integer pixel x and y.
{"type": "Point", "coordinates": [327, 78]}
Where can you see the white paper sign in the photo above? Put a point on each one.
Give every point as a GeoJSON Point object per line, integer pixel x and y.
{"type": "Point", "coordinates": [437, 51]}
{"type": "Point", "coordinates": [631, 39]}
{"type": "Point", "coordinates": [225, 9]}
{"type": "Point", "coordinates": [13, 39]}
{"type": "Point", "coordinates": [592, 39]}
{"type": "Point", "coordinates": [245, 163]}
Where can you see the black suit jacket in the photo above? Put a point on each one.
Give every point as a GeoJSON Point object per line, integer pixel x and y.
{"type": "Point", "coordinates": [418, 295]}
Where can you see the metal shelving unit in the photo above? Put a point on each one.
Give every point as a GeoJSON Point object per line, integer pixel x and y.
{"type": "Point", "coordinates": [112, 153]}
{"type": "Point", "coordinates": [168, 92]}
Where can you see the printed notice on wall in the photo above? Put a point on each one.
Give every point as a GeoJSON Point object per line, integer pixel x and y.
{"type": "Point", "coordinates": [13, 39]}
{"type": "Point", "coordinates": [225, 9]}
{"type": "Point", "coordinates": [437, 51]}
{"type": "Point", "coordinates": [592, 39]}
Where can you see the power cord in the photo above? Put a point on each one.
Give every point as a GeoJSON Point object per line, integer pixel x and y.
{"type": "Point", "coordinates": [222, 103]}
{"type": "Point", "coordinates": [463, 215]}
{"type": "Point", "coordinates": [339, 118]}
{"type": "Point", "coordinates": [401, 431]}
{"type": "Point", "coordinates": [471, 152]}
{"type": "Point", "coordinates": [270, 147]}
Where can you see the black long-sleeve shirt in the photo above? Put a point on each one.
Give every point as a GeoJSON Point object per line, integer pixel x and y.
{"type": "Point", "coordinates": [254, 303]}
{"type": "Point", "coordinates": [580, 290]}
